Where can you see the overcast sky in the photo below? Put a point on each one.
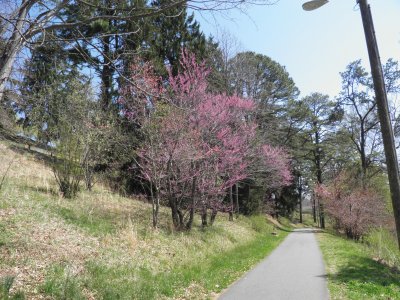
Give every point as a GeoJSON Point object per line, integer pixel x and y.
{"type": "Point", "coordinates": [313, 46]}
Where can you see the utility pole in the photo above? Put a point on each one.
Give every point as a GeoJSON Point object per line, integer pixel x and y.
{"type": "Point", "coordinates": [383, 111]}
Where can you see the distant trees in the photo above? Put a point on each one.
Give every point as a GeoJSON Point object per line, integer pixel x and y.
{"type": "Point", "coordinates": [361, 124]}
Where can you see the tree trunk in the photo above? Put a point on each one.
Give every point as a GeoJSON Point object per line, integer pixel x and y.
{"type": "Point", "coordinates": [204, 221]}
{"type": "Point", "coordinates": [106, 75]}
{"type": "Point", "coordinates": [192, 206]}
{"type": "Point", "coordinates": [231, 203]}
{"type": "Point", "coordinates": [314, 210]}
{"type": "Point", "coordinates": [301, 206]}
{"type": "Point", "coordinates": [319, 178]}
{"type": "Point", "coordinates": [237, 199]}
{"type": "Point", "coordinates": [363, 156]}
{"type": "Point", "coordinates": [214, 213]}
{"type": "Point", "coordinates": [174, 213]}
{"type": "Point", "coordinates": [180, 215]}
{"type": "Point", "coordinates": [155, 201]}
{"type": "Point", "coordinates": [11, 49]}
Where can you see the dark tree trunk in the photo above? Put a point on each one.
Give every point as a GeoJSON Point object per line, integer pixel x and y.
{"type": "Point", "coordinates": [237, 199]}
{"type": "Point", "coordinates": [314, 209]}
{"type": "Point", "coordinates": [181, 221]}
{"type": "Point", "coordinates": [106, 75]}
{"type": "Point", "coordinates": [204, 221]}
{"type": "Point", "coordinates": [319, 176]}
{"type": "Point", "coordinates": [301, 206]}
{"type": "Point", "coordinates": [231, 203]}
{"type": "Point", "coordinates": [214, 213]}
{"type": "Point", "coordinates": [174, 213]}
{"type": "Point", "coordinates": [192, 206]}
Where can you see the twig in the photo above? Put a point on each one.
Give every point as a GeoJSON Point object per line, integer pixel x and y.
{"type": "Point", "coordinates": [6, 172]}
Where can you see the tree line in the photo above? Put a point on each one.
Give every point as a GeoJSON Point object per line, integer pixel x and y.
{"type": "Point", "coordinates": [134, 94]}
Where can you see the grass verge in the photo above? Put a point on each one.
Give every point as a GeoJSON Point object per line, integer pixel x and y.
{"type": "Point", "coordinates": [101, 245]}
{"type": "Point", "coordinates": [354, 274]}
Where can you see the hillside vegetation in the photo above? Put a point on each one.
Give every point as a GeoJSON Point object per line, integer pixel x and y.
{"type": "Point", "coordinates": [101, 245]}
{"type": "Point", "coordinates": [355, 272]}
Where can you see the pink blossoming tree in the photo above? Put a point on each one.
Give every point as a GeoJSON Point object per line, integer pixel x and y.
{"type": "Point", "coordinates": [198, 144]}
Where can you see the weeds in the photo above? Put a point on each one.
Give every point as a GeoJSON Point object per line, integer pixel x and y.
{"type": "Point", "coordinates": [5, 289]}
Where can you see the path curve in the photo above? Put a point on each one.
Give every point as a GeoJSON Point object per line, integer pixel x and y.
{"type": "Point", "coordinates": [294, 271]}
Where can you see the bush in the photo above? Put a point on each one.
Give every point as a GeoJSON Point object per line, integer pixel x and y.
{"type": "Point", "coordinates": [354, 207]}
{"type": "Point", "coordinates": [66, 166]}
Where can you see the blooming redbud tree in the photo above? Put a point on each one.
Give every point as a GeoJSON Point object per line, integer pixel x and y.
{"type": "Point", "coordinates": [198, 144]}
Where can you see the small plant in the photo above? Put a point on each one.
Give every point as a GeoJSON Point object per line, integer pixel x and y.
{"type": "Point", "coordinates": [5, 289]}
{"type": "Point", "coordinates": [66, 166]}
{"type": "Point", "coordinates": [61, 284]}
{"type": "Point", "coordinates": [6, 172]}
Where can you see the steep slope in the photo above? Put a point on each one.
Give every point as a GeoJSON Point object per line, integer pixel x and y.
{"type": "Point", "coordinates": [101, 245]}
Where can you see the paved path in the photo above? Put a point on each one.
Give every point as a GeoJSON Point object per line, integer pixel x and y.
{"type": "Point", "coordinates": [293, 271]}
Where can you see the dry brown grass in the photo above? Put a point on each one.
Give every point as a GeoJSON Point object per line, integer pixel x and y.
{"type": "Point", "coordinates": [38, 235]}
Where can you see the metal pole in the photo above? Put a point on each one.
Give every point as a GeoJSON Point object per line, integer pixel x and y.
{"type": "Point", "coordinates": [383, 111]}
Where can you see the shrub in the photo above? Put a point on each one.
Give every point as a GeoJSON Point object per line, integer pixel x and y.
{"type": "Point", "coordinates": [66, 166]}
{"type": "Point", "coordinates": [353, 206]}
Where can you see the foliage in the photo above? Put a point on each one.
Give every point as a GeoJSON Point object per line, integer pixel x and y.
{"type": "Point", "coordinates": [73, 119]}
{"type": "Point", "coordinates": [262, 79]}
{"type": "Point", "coordinates": [353, 207]}
{"type": "Point", "coordinates": [66, 167]}
{"type": "Point", "coordinates": [201, 145]}
{"type": "Point", "coordinates": [43, 91]}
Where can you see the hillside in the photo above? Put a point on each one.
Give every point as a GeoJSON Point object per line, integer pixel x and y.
{"type": "Point", "coordinates": [101, 245]}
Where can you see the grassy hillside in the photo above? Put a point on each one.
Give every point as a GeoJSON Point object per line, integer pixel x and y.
{"type": "Point", "coordinates": [101, 245]}
{"type": "Point", "coordinates": [354, 272]}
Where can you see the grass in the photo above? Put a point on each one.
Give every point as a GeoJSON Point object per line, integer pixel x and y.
{"type": "Point", "coordinates": [383, 245]}
{"type": "Point", "coordinates": [101, 245]}
{"type": "Point", "coordinates": [354, 274]}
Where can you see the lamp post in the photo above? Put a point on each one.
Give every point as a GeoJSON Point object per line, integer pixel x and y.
{"type": "Point", "coordinates": [381, 102]}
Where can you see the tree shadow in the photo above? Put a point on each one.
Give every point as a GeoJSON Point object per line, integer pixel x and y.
{"type": "Point", "coordinates": [47, 191]}
{"type": "Point", "coordinates": [364, 270]}
{"type": "Point", "coordinates": [37, 153]}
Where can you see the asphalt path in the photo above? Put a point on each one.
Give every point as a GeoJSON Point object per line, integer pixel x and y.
{"type": "Point", "coordinates": [294, 271]}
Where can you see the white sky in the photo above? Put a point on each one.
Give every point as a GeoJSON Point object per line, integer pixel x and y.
{"type": "Point", "coordinates": [313, 46]}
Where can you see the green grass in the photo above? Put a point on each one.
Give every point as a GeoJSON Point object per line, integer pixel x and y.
{"type": "Point", "coordinates": [5, 289]}
{"type": "Point", "coordinates": [354, 274]}
{"type": "Point", "coordinates": [92, 222]}
{"type": "Point", "coordinates": [102, 246]}
{"type": "Point", "coordinates": [383, 245]}
{"type": "Point", "coordinates": [213, 274]}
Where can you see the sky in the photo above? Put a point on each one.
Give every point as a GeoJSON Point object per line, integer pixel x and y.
{"type": "Point", "coordinates": [313, 46]}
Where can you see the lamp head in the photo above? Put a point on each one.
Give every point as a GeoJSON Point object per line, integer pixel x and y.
{"type": "Point", "coordinates": [311, 5]}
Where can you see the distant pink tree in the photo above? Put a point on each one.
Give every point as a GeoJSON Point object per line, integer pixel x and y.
{"type": "Point", "coordinates": [354, 208]}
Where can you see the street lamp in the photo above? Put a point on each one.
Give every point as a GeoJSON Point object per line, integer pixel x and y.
{"type": "Point", "coordinates": [381, 103]}
{"type": "Point", "coordinates": [311, 5]}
